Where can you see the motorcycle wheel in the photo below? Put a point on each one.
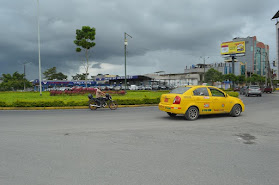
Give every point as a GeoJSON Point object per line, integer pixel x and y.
{"type": "Point", "coordinates": [112, 105]}
{"type": "Point", "coordinates": [92, 105]}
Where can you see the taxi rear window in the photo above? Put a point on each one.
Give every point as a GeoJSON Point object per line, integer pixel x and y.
{"type": "Point", "coordinates": [180, 90]}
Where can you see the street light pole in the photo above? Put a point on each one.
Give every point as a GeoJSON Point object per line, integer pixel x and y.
{"type": "Point", "coordinates": [125, 45]}
{"type": "Point", "coordinates": [40, 76]}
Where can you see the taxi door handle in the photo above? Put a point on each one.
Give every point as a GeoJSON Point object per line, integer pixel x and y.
{"type": "Point", "coordinates": [215, 98]}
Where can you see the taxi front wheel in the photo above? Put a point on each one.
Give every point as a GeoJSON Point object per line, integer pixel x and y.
{"type": "Point", "coordinates": [192, 113]}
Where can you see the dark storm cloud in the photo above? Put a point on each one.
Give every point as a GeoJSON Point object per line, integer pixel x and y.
{"type": "Point", "coordinates": [192, 27]}
{"type": "Point", "coordinates": [96, 66]}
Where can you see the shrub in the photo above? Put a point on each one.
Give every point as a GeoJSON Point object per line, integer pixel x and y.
{"type": "Point", "coordinates": [234, 94]}
{"type": "Point", "coordinates": [138, 101]}
{"type": "Point", "coordinates": [3, 104]}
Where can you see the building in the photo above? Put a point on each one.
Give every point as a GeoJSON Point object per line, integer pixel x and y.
{"type": "Point", "coordinates": [256, 55]}
{"type": "Point", "coordinates": [276, 17]}
{"type": "Point", "coordinates": [175, 79]}
{"type": "Point", "coordinates": [224, 68]}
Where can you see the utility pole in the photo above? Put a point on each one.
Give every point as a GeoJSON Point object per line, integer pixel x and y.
{"type": "Point", "coordinates": [125, 45]}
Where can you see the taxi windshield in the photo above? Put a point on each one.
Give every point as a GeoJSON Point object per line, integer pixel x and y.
{"type": "Point", "coordinates": [180, 90]}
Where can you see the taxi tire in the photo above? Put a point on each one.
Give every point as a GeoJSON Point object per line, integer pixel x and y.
{"type": "Point", "coordinates": [171, 114]}
{"type": "Point", "coordinates": [236, 110]}
{"type": "Point", "coordinates": [192, 110]}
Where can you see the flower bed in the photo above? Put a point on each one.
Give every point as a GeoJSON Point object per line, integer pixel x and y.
{"type": "Point", "coordinates": [79, 91]}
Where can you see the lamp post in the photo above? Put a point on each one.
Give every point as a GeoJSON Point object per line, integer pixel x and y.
{"type": "Point", "coordinates": [125, 45]}
{"type": "Point", "coordinates": [39, 52]}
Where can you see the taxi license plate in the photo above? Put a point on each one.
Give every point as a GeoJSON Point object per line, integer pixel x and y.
{"type": "Point", "coordinates": [166, 99]}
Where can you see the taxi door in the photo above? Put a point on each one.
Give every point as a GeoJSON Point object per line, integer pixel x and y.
{"type": "Point", "coordinates": [219, 101]}
{"type": "Point", "coordinates": [203, 100]}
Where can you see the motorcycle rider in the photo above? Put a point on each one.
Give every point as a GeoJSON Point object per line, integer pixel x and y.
{"type": "Point", "coordinates": [100, 96]}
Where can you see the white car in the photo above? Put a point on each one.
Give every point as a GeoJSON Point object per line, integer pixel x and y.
{"type": "Point", "coordinates": [133, 87]}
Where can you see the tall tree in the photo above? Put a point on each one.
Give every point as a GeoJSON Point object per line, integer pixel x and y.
{"type": "Point", "coordinates": [79, 76]}
{"type": "Point", "coordinates": [14, 82]}
{"type": "Point", "coordinates": [230, 77]}
{"type": "Point", "coordinates": [241, 79]}
{"type": "Point", "coordinates": [52, 74]}
{"type": "Point", "coordinates": [213, 75]}
{"type": "Point", "coordinates": [49, 73]}
{"type": "Point", "coordinates": [84, 42]}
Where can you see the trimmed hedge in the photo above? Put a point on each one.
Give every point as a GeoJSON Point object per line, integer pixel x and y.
{"type": "Point", "coordinates": [77, 103]}
{"type": "Point", "coordinates": [234, 94]}
{"type": "Point", "coordinates": [138, 101]}
{"type": "Point", "coordinates": [59, 103]}
{"type": "Point", "coordinates": [3, 104]}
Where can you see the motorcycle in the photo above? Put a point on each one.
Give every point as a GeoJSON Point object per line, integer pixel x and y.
{"type": "Point", "coordinates": [95, 103]}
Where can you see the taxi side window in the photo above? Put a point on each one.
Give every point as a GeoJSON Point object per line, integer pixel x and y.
{"type": "Point", "coordinates": [216, 92]}
{"type": "Point", "coordinates": [201, 92]}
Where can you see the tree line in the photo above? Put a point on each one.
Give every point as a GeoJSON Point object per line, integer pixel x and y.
{"type": "Point", "coordinates": [17, 81]}
{"type": "Point", "coordinates": [213, 75]}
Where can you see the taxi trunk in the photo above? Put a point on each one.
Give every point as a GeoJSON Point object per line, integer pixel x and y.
{"type": "Point", "coordinates": [171, 103]}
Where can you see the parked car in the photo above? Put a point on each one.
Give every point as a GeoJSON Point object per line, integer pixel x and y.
{"type": "Point", "coordinates": [141, 87]}
{"type": "Point", "coordinates": [155, 87]}
{"type": "Point", "coordinates": [162, 87]}
{"type": "Point", "coordinates": [267, 89]}
{"type": "Point", "coordinates": [148, 87]}
{"type": "Point", "coordinates": [117, 88]}
{"type": "Point", "coordinates": [111, 87]}
{"type": "Point", "coordinates": [253, 90]}
{"type": "Point", "coordinates": [243, 90]}
{"type": "Point", "coordinates": [236, 89]}
{"type": "Point", "coordinates": [63, 88]}
{"type": "Point", "coordinates": [192, 101]}
{"type": "Point", "coordinates": [133, 87]}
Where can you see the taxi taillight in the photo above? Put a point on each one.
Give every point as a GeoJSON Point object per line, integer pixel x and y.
{"type": "Point", "coordinates": [177, 100]}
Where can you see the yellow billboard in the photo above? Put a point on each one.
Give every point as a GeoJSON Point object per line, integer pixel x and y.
{"type": "Point", "coordinates": [228, 48]}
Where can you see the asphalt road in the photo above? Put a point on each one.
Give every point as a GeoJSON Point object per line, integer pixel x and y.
{"type": "Point", "coordinates": [140, 146]}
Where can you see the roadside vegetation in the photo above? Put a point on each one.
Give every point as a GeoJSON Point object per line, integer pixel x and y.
{"type": "Point", "coordinates": [33, 99]}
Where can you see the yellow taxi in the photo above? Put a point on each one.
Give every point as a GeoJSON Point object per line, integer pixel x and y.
{"type": "Point", "coordinates": [193, 101]}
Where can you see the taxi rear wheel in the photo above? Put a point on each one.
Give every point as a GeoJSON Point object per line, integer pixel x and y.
{"type": "Point", "coordinates": [192, 113]}
{"type": "Point", "coordinates": [171, 114]}
{"type": "Point", "coordinates": [236, 111]}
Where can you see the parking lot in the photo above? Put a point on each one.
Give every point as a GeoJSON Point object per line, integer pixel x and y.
{"type": "Point", "coordinates": [141, 146]}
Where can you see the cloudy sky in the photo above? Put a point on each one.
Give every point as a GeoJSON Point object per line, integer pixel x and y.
{"type": "Point", "coordinates": [167, 35]}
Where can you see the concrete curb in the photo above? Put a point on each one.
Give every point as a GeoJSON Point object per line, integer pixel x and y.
{"type": "Point", "coordinates": [71, 107]}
